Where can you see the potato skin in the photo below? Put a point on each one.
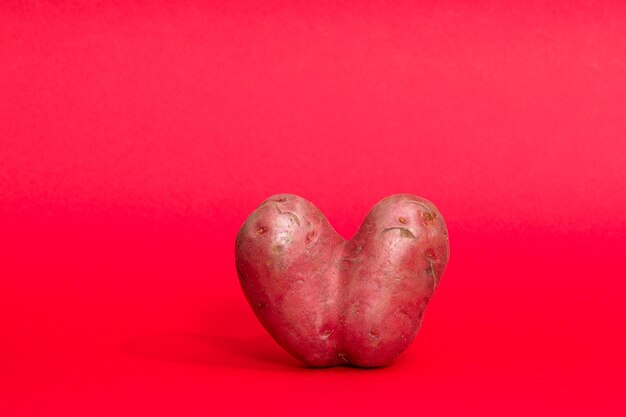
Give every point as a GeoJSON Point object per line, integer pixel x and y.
{"type": "Point", "coordinates": [329, 301]}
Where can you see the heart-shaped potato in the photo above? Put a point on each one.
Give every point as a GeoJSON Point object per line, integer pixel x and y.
{"type": "Point", "coordinates": [329, 301]}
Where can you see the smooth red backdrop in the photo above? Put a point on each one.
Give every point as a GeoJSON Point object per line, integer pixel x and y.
{"type": "Point", "coordinates": [135, 137]}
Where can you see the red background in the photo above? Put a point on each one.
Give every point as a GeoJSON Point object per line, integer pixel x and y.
{"type": "Point", "coordinates": [136, 137]}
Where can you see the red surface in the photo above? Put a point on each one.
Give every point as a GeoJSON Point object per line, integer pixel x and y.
{"type": "Point", "coordinates": [135, 138]}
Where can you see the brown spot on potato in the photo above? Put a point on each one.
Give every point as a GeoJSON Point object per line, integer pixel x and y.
{"type": "Point", "coordinates": [429, 216]}
{"type": "Point", "coordinates": [402, 220]}
{"type": "Point", "coordinates": [277, 248]}
{"type": "Point", "coordinates": [281, 200]}
{"type": "Point", "coordinates": [326, 333]}
{"type": "Point", "coordinates": [374, 333]}
{"type": "Point", "coordinates": [261, 230]}
{"type": "Point", "coordinates": [430, 253]}
{"type": "Point", "coordinates": [431, 271]}
{"type": "Point", "coordinates": [292, 217]}
{"type": "Point", "coordinates": [268, 262]}
{"type": "Point", "coordinates": [309, 236]}
{"type": "Point", "coordinates": [404, 232]}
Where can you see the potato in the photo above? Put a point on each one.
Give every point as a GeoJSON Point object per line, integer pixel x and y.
{"type": "Point", "coordinates": [329, 301]}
